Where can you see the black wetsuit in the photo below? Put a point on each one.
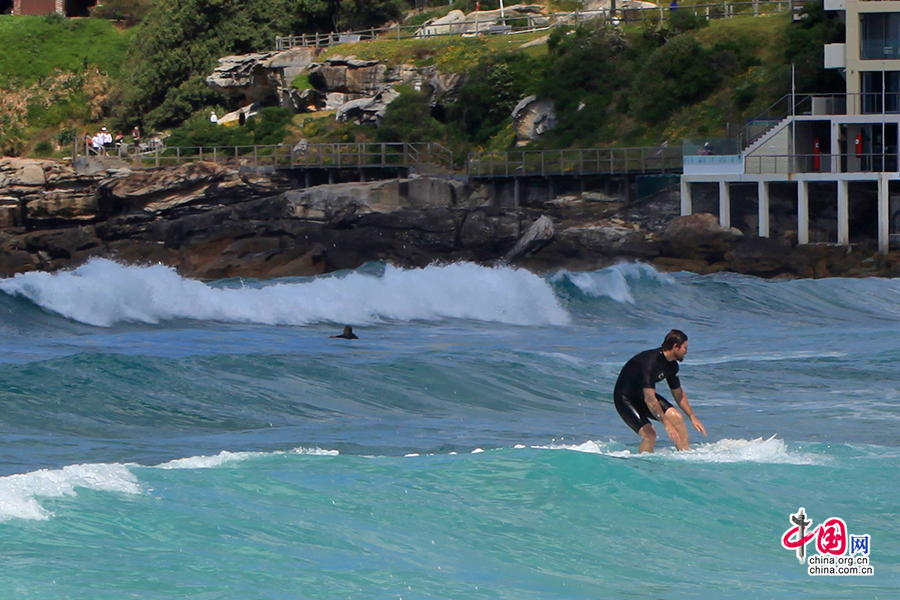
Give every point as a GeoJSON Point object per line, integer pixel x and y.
{"type": "Point", "coordinates": [644, 370]}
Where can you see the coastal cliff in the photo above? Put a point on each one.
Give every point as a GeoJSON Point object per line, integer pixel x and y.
{"type": "Point", "coordinates": [212, 221]}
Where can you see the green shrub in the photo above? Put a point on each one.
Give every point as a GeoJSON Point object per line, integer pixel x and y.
{"type": "Point", "coordinates": [683, 19]}
{"type": "Point", "coordinates": [677, 74]}
{"type": "Point", "coordinates": [130, 12]}
{"type": "Point", "coordinates": [408, 119]}
{"type": "Point", "coordinates": [267, 127]}
{"type": "Point", "coordinates": [43, 148]}
{"type": "Point", "coordinates": [65, 137]}
{"type": "Point", "coordinates": [492, 90]}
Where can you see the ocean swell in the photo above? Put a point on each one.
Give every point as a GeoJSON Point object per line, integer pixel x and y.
{"type": "Point", "coordinates": [103, 293]}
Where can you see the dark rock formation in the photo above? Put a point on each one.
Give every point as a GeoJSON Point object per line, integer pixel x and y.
{"type": "Point", "coordinates": [211, 221]}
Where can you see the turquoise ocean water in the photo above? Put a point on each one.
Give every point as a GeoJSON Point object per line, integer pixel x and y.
{"type": "Point", "coordinates": [168, 438]}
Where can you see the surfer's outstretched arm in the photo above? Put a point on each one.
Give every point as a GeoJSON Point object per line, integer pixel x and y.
{"type": "Point", "coordinates": [681, 399]}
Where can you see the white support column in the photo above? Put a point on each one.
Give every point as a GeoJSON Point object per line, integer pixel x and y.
{"type": "Point", "coordinates": [763, 209]}
{"type": "Point", "coordinates": [686, 202]}
{"type": "Point", "coordinates": [884, 228]}
{"type": "Point", "coordinates": [724, 204]}
{"type": "Point", "coordinates": [843, 212]}
{"type": "Point", "coordinates": [835, 147]}
{"type": "Point", "coordinates": [802, 212]}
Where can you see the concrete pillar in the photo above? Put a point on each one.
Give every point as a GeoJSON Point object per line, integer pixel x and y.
{"type": "Point", "coordinates": [884, 229]}
{"type": "Point", "coordinates": [686, 203]}
{"type": "Point", "coordinates": [330, 177]}
{"type": "Point", "coordinates": [835, 147]}
{"type": "Point", "coordinates": [516, 192]}
{"type": "Point", "coordinates": [724, 204]}
{"type": "Point", "coordinates": [306, 178]}
{"type": "Point", "coordinates": [550, 189]}
{"type": "Point", "coordinates": [843, 212]}
{"type": "Point", "coordinates": [763, 209]}
{"type": "Point", "coordinates": [802, 212]}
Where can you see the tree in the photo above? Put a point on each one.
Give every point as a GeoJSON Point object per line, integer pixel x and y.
{"type": "Point", "coordinates": [677, 74]}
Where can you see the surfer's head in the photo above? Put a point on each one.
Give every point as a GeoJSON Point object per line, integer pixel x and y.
{"type": "Point", "coordinates": [348, 330]}
{"type": "Point", "coordinates": [676, 343]}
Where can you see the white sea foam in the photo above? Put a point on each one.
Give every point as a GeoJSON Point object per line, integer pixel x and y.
{"type": "Point", "coordinates": [315, 451]}
{"type": "Point", "coordinates": [768, 357]}
{"type": "Point", "coordinates": [613, 282]}
{"type": "Point", "coordinates": [19, 493]}
{"type": "Point", "coordinates": [207, 462]}
{"type": "Point", "coordinates": [225, 457]}
{"type": "Point", "coordinates": [764, 451]}
{"type": "Point", "coordinates": [104, 293]}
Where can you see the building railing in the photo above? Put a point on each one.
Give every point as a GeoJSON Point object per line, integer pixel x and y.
{"type": "Point", "coordinates": [532, 23]}
{"type": "Point", "coordinates": [710, 147]}
{"type": "Point", "coordinates": [848, 162]}
{"type": "Point", "coordinates": [589, 161]}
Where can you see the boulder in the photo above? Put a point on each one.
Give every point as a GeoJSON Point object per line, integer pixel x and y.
{"type": "Point", "coordinates": [244, 76]}
{"type": "Point", "coordinates": [284, 67]}
{"type": "Point", "coordinates": [698, 236]}
{"type": "Point", "coordinates": [164, 188]}
{"type": "Point", "coordinates": [367, 111]}
{"type": "Point", "coordinates": [536, 237]}
{"type": "Point", "coordinates": [765, 257]}
{"type": "Point", "coordinates": [532, 118]}
{"type": "Point", "coordinates": [22, 172]}
{"type": "Point", "coordinates": [448, 24]}
{"type": "Point", "coordinates": [609, 237]}
{"type": "Point", "coordinates": [348, 75]}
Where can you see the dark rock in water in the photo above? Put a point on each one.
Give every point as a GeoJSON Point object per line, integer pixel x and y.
{"type": "Point", "coordinates": [536, 237]}
{"type": "Point", "coordinates": [764, 257]}
{"type": "Point", "coordinates": [699, 237]}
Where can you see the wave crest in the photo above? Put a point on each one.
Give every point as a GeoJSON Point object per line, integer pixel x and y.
{"type": "Point", "coordinates": [103, 293]}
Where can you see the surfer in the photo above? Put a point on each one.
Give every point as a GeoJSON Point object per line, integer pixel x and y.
{"type": "Point", "coordinates": [637, 401]}
{"type": "Point", "coordinates": [348, 334]}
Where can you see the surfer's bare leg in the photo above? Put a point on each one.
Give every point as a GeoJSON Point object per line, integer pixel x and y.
{"type": "Point", "coordinates": [676, 429]}
{"type": "Point", "coordinates": [648, 438]}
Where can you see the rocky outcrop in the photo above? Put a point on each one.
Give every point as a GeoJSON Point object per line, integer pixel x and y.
{"type": "Point", "coordinates": [212, 221]}
{"type": "Point", "coordinates": [367, 111]}
{"type": "Point", "coordinates": [347, 75]}
{"type": "Point", "coordinates": [532, 118]}
{"type": "Point", "coordinates": [262, 76]}
{"type": "Point", "coordinates": [243, 76]}
{"type": "Point", "coordinates": [698, 237]}
{"type": "Point", "coordinates": [359, 89]}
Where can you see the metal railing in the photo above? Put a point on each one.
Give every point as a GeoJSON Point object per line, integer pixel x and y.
{"type": "Point", "coordinates": [848, 162]}
{"type": "Point", "coordinates": [325, 156]}
{"type": "Point", "coordinates": [590, 161]}
{"type": "Point", "coordinates": [532, 22]}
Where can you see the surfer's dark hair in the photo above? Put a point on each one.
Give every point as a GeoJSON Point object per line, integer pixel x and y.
{"type": "Point", "coordinates": [674, 338]}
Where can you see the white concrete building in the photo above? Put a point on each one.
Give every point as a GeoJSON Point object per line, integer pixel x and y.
{"type": "Point", "coordinates": [848, 142]}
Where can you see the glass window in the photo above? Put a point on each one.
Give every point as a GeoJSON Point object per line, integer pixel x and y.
{"type": "Point", "coordinates": [880, 36]}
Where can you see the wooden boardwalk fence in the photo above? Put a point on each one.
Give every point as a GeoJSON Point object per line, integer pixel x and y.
{"type": "Point", "coordinates": [535, 23]}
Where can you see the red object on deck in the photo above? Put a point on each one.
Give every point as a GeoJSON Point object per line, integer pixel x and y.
{"type": "Point", "coordinates": [817, 159]}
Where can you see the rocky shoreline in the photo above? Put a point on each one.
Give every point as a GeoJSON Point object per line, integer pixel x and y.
{"type": "Point", "coordinates": [212, 221]}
